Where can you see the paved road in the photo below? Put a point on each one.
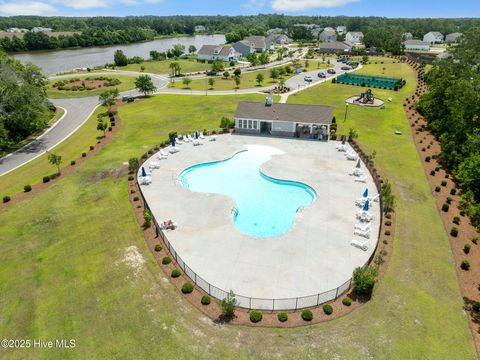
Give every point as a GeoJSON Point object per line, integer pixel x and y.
{"type": "Point", "coordinates": [78, 111]}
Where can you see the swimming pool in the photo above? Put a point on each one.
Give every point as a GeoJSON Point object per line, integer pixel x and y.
{"type": "Point", "coordinates": [265, 207]}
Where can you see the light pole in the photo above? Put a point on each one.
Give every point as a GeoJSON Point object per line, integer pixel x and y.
{"type": "Point", "coordinates": [206, 84]}
{"type": "Point", "coordinates": [346, 110]}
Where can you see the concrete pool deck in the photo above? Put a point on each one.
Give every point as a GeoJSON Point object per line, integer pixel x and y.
{"type": "Point", "coordinates": [313, 257]}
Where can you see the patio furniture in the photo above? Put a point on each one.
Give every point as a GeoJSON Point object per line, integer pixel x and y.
{"type": "Point", "coordinates": [361, 244]}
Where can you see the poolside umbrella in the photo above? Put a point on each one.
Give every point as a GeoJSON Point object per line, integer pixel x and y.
{"type": "Point", "coordinates": [196, 135]}
{"type": "Point", "coordinates": [358, 164]}
{"type": "Point", "coordinates": [365, 207]}
{"type": "Point", "coordinates": [365, 193]}
{"type": "Point", "coordinates": [172, 141]}
{"type": "Point", "coordinates": [343, 141]}
{"type": "Point", "coordinates": [144, 173]}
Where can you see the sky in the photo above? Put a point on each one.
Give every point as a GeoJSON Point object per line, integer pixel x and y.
{"type": "Point", "coordinates": [387, 8]}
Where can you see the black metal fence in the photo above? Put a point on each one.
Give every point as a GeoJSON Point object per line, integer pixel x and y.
{"type": "Point", "coordinates": [262, 303]}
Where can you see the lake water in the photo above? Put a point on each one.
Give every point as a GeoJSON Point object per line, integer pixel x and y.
{"type": "Point", "coordinates": [59, 61]}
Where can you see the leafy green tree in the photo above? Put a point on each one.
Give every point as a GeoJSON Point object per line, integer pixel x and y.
{"type": "Point", "coordinates": [192, 49]}
{"type": "Point", "coordinates": [263, 58]}
{"type": "Point", "coordinates": [218, 65]}
{"type": "Point", "coordinates": [108, 97]}
{"type": "Point", "coordinates": [133, 165]}
{"type": "Point", "coordinates": [388, 197]}
{"type": "Point", "coordinates": [232, 37]}
{"type": "Point", "coordinates": [178, 50]}
{"type": "Point", "coordinates": [259, 79]}
{"type": "Point", "coordinates": [186, 81]}
{"type": "Point", "coordinates": [228, 305]}
{"type": "Point", "coordinates": [237, 72]}
{"type": "Point", "coordinates": [55, 160]}
{"type": "Point", "coordinates": [102, 125]}
{"type": "Point", "coordinates": [119, 58]}
{"type": "Point", "coordinates": [274, 74]}
{"type": "Point", "coordinates": [211, 82]}
{"type": "Point", "coordinates": [237, 81]}
{"type": "Point", "coordinates": [363, 279]}
{"type": "Point", "coordinates": [352, 134]}
{"type": "Point", "coordinates": [226, 74]}
{"type": "Point", "coordinates": [175, 68]}
{"type": "Point", "coordinates": [253, 59]}
{"type": "Point", "coordinates": [144, 84]}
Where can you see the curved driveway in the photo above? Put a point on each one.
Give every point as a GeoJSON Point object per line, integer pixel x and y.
{"type": "Point", "coordinates": [78, 110]}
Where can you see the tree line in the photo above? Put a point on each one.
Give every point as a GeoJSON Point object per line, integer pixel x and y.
{"type": "Point", "coordinates": [452, 108]}
{"type": "Point", "coordinates": [24, 107]}
{"type": "Point", "coordinates": [96, 31]}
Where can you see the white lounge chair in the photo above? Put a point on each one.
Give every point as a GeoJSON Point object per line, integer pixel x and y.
{"type": "Point", "coordinates": [361, 244]}
{"type": "Point", "coordinates": [190, 138]}
{"type": "Point", "coordinates": [364, 216]}
{"type": "Point", "coordinates": [145, 180]}
{"type": "Point", "coordinates": [341, 147]}
{"type": "Point", "coordinates": [173, 150]}
{"type": "Point", "coordinates": [152, 165]}
{"type": "Point", "coordinates": [201, 136]}
{"type": "Point", "coordinates": [365, 234]}
{"type": "Point", "coordinates": [376, 198]}
{"type": "Point", "coordinates": [351, 156]}
{"type": "Point", "coordinates": [213, 138]}
{"type": "Point", "coordinates": [178, 141]}
{"type": "Point", "coordinates": [362, 227]}
{"type": "Point", "coordinates": [361, 179]}
{"type": "Point", "coordinates": [356, 172]}
{"type": "Point", "coordinates": [197, 142]}
{"type": "Point", "coordinates": [161, 155]}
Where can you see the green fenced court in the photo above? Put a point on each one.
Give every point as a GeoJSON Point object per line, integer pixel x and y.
{"type": "Point", "coordinates": [380, 82]}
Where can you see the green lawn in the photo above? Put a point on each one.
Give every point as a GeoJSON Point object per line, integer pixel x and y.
{"type": "Point", "coordinates": [162, 67]}
{"type": "Point", "coordinates": [70, 149]}
{"type": "Point", "coordinates": [315, 64]}
{"type": "Point", "coordinates": [127, 83]}
{"type": "Point", "coordinates": [75, 264]}
{"type": "Point", "coordinates": [248, 81]}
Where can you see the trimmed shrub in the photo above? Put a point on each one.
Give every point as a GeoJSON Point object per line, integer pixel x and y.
{"type": "Point", "coordinates": [255, 316]}
{"type": "Point", "coordinates": [454, 231]}
{"type": "Point", "coordinates": [84, 154]}
{"type": "Point", "coordinates": [282, 316]}
{"type": "Point", "coordinates": [158, 247]}
{"type": "Point", "coordinates": [136, 198]}
{"type": "Point", "coordinates": [428, 158]}
{"type": "Point", "coordinates": [73, 162]}
{"type": "Point", "coordinates": [432, 173]}
{"type": "Point", "coordinates": [445, 207]}
{"type": "Point", "coordinates": [466, 248]}
{"type": "Point", "coordinates": [443, 183]}
{"type": "Point", "coordinates": [187, 288]}
{"type": "Point", "coordinates": [328, 309]}
{"type": "Point", "coordinates": [6, 199]}
{"type": "Point", "coordinates": [465, 265]}
{"type": "Point", "coordinates": [456, 220]}
{"type": "Point", "coordinates": [437, 188]}
{"type": "Point", "coordinates": [130, 178]}
{"type": "Point", "coordinates": [91, 147]}
{"type": "Point", "coordinates": [205, 300]}
{"type": "Point", "coordinates": [347, 301]}
{"type": "Point", "coordinates": [437, 169]}
{"type": "Point", "coordinates": [449, 200]}
{"type": "Point", "coordinates": [388, 223]}
{"type": "Point", "coordinates": [27, 188]}
{"type": "Point", "coordinates": [385, 241]}
{"type": "Point", "coordinates": [388, 216]}
{"type": "Point", "coordinates": [363, 279]}
{"type": "Point", "coordinates": [387, 232]}
{"type": "Point", "coordinates": [166, 260]}
{"type": "Point", "coordinates": [476, 306]}
{"type": "Point", "coordinates": [307, 315]}
{"type": "Point", "coordinates": [46, 179]}
{"type": "Point", "coordinates": [453, 191]}
{"type": "Point", "coordinates": [475, 240]}
{"type": "Point", "coordinates": [175, 273]}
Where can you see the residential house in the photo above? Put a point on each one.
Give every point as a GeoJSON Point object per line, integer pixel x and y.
{"type": "Point", "coordinates": [433, 37]}
{"type": "Point", "coordinates": [17, 30]}
{"type": "Point", "coordinates": [217, 52]}
{"type": "Point", "coordinates": [416, 45]}
{"type": "Point", "coordinates": [442, 56]}
{"type": "Point", "coordinates": [407, 36]}
{"type": "Point", "coordinates": [251, 44]}
{"type": "Point", "coordinates": [354, 37]}
{"type": "Point", "coordinates": [341, 30]}
{"type": "Point", "coordinates": [328, 36]}
{"type": "Point", "coordinates": [276, 31]}
{"type": "Point", "coordinates": [200, 28]}
{"type": "Point", "coordinates": [41, 29]}
{"type": "Point", "coordinates": [244, 47]}
{"type": "Point", "coordinates": [453, 37]}
{"type": "Point", "coordinates": [334, 47]}
{"type": "Point", "coordinates": [274, 39]}
{"type": "Point", "coordinates": [328, 28]}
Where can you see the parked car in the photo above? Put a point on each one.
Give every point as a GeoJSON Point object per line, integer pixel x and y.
{"type": "Point", "coordinates": [346, 68]}
{"type": "Point", "coordinates": [321, 75]}
{"type": "Point", "coordinates": [331, 71]}
{"type": "Point", "coordinates": [210, 73]}
{"type": "Point", "coordinates": [308, 78]}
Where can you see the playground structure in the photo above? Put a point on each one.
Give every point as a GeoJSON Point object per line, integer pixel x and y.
{"type": "Point", "coordinates": [370, 81]}
{"type": "Point", "coordinates": [365, 98]}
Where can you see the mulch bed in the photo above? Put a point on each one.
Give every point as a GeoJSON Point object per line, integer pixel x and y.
{"type": "Point", "coordinates": [98, 145]}
{"type": "Point", "coordinates": [213, 310]}
{"type": "Point", "coordinates": [428, 146]}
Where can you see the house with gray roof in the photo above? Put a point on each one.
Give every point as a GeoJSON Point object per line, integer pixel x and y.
{"type": "Point", "coordinates": [289, 120]}
{"type": "Point", "coordinates": [251, 44]}
{"type": "Point", "coordinates": [416, 45]}
{"type": "Point", "coordinates": [354, 38]}
{"type": "Point", "coordinates": [407, 36]}
{"type": "Point", "coordinates": [433, 37]}
{"type": "Point", "coordinates": [453, 37]}
{"type": "Point", "coordinates": [334, 47]}
{"type": "Point", "coordinates": [217, 52]}
{"type": "Point", "coordinates": [328, 36]}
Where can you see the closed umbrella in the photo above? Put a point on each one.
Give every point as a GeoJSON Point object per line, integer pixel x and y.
{"type": "Point", "coordinates": [365, 193]}
{"type": "Point", "coordinates": [196, 135]}
{"type": "Point", "coordinates": [144, 173]}
{"type": "Point", "coordinates": [365, 207]}
{"type": "Point", "coordinates": [358, 164]}
{"type": "Point", "coordinates": [172, 141]}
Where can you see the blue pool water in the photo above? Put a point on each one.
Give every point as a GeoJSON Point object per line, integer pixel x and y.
{"type": "Point", "coordinates": [265, 206]}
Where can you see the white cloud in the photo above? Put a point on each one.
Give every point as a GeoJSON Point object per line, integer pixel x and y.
{"type": "Point", "coordinates": [27, 8]}
{"type": "Point", "coordinates": [84, 4]}
{"type": "Point", "coordinates": [254, 5]}
{"type": "Point", "coordinates": [299, 5]}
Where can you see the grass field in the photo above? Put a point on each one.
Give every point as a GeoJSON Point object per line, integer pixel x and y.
{"type": "Point", "coordinates": [162, 67]}
{"type": "Point", "coordinates": [75, 264]}
{"type": "Point", "coordinates": [127, 83]}
{"type": "Point", "coordinates": [248, 81]}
